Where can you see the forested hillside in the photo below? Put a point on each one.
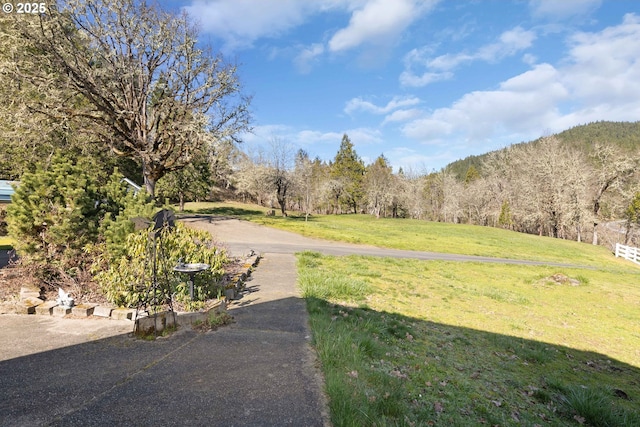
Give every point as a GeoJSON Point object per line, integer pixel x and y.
{"type": "Point", "coordinates": [582, 138]}
{"type": "Point", "coordinates": [625, 135]}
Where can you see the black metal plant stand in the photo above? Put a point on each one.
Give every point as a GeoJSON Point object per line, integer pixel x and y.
{"type": "Point", "coordinates": [156, 295]}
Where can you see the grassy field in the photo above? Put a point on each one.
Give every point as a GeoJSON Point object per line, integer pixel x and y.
{"type": "Point", "coordinates": [408, 342]}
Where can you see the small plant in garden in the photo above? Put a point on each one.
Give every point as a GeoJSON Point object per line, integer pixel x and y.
{"type": "Point", "coordinates": [152, 335]}
{"type": "Point", "coordinates": [217, 319]}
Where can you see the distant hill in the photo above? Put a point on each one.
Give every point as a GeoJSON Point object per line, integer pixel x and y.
{"type": "Point", "coordinates": [625, 135]}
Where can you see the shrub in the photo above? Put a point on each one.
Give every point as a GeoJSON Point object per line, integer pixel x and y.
{"type": "Point", "coordinates": [53, 215]}
{"type": "Point", "coordinates": [128, 279]}
{"type": "Point", "coordinates": [120, 205]}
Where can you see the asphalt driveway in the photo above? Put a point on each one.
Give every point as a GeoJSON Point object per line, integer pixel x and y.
{"type": "Point", "coordinates": [259, 371]}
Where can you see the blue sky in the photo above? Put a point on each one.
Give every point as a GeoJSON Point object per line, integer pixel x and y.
{"type": "Point", "coordinates": [425, 82]}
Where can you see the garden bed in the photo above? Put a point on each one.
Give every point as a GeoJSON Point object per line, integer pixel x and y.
{"type": "Point", "coordinates": [16, 277]}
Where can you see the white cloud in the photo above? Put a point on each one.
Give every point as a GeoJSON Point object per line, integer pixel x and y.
{"type": "Point", "coordinates": [241, 22]}
{"type": "Point", "coordinates": [440, 68]}
{"type": "Point", "coordinates": [261, 134]}
{"type": "Point", "coordinates": [605, 66]}
{"type": "Point", "coordinates": [418, 56]}
{"type": "Point", "coordinates": [364, 136]}
{"type": "Point", "coordinates": [307, 56]}
{"type": "Point", "coordinates": [378, 21]}
{"type": "Point", "coordinates": [402, 116]}
{"type": "Point", "coordinates": [557, 10]}
{"type": "Point", "coordinates": [523, 104]}
{"type": "Point", "coordinates": [529, 59]}
{"type": "Point", "coordinates": [598, 79]}
{"type": "Point", "coordinates": [309, 137]}
{"type": "Point", "coordinates": [313, 137]}
{"type": "Point", "coordinates": [430, 130]}
{"type": "Point", "coordinates": [509, 43]}
{"type": "Point", "coordinates": [408, 78]}
{"type": "Point", "coordinates": [358, 104]}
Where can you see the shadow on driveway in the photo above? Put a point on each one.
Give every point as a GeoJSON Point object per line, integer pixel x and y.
{"type": "Point", "coordinates": [249, 373]}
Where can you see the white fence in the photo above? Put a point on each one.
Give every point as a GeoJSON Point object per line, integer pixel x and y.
{"type": "Point", "coordinates": [628, 252]}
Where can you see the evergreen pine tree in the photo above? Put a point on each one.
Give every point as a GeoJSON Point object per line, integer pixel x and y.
{"type": "Point", "coordinates": [505, 220]}
{"type": "Point", "coordinates": [348, 169]}
{"type": "Point", "coordinates": [632, 216]}
{"type": "Point", "coordinates": [53, 215]}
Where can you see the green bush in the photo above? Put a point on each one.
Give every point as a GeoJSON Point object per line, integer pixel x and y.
{"type": "Point", "coordinates": [53, 215]}
{"type": "Point", "coordinates": [128, 279]}
{"type": "Point", "coordinates": [120, 205]}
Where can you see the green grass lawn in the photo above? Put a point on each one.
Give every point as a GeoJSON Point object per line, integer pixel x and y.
{"type": "Point", "coordinates": [423, 343]}
{"type": "Point", "coordinates": [407, 342]}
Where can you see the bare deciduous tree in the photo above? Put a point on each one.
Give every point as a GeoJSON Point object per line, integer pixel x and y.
{"type": "Point", "coordinates": [411, 194]}
{"type": "Point", "coordinates": [379, 185]}
{"type": "Point", "coordinates": [280, 163]}
{"type": "Point", "coordinates": [611, 168]}
{"type": "Point", "coordinates": [252, 180]}
{"type": "Point", "coordinates": [308, 177]}
{"type": "Point", "coordinates": [137, 73]}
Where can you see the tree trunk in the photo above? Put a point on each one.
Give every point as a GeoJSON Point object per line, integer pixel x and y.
{"type": "Point", "coordinates": [282, 201]}
{"type": "Point", "coordinates": [150, 177]}
{"type": "Point", "coordinates": [150, 185]}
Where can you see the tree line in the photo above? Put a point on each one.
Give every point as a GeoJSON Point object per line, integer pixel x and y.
{"type": "Point", "coordinates": [547, 187]}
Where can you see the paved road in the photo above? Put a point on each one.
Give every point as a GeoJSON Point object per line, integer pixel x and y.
{"type": "Point", "coordinates": [241, 236]}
